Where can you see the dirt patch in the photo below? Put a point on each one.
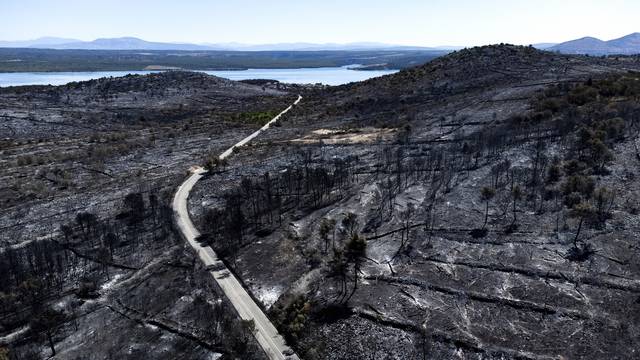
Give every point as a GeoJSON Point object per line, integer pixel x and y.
{"type": "Point", "coordinates": [348, 136]}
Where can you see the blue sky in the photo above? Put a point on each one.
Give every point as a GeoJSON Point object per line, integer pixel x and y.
{"type": "Point", "coordinates": [409, 22]}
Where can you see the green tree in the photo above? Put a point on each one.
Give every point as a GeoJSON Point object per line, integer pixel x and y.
{"type": "Point", "coordinates": [213, 161]}
{"type": "Point", "coordinates": [327, 226]}
{"type": "Point", "coordinates": [356, 252]}
{"type": "Point", "coordinates": [4, 353]}
{"type": "Point", "coordinates": [599, 154]}
{"type": "Point", "coordinates": [350, 224]}
{"type": "Point", "coordinates": [338, 268]}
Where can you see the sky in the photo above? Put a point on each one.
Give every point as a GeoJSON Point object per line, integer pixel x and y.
{"type": "Point", "coordinates": [402, 22]}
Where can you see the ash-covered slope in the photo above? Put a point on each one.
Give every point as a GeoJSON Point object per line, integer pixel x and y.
{"type": "Point", "coordinates": [456, 84]}
{"type": "Point", "coordinates": [479, 68]}
{"type": "Point", "coordinates": [481, 206]}
{"type": "Point", "coordinates": [89, 257]}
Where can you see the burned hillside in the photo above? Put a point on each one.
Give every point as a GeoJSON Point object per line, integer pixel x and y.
{"type": "Point", "coordinates": [87, 234]}
{"type": "Point", "coordinates": [491, 211]}
{"type": "Point", "coordinates": [484, 205]}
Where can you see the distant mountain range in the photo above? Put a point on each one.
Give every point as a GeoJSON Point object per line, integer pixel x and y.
{"type": "Point", "coordinates": [301, 46]}
{"type": "Point", "coordinates": [124, 43]}
{"type": "Point", "coordinates": [132, 43]}
{"type": "Point", "coordinates": [41, 42]}
{"type": "Point", "coordinates": [626, 45]}
{"type": "Point", "coordinates": [127, 43]}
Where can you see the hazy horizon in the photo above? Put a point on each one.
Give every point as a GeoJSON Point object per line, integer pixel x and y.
{"type": "Point", "coordinates": [411, 23]}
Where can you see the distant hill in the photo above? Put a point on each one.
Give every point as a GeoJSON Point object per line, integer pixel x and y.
{"type": "Point", "coordinates": [128, 43]}
{"type": "Point", "coordinates": [132, 43]}
{"type": "Point", "coordinates": [301, 46]}
{"type": "Point", "coordinates": [40, 42]}
{"type": "Point", "coordinates": [626, 45]}
{"type": "Point", "coordinates": [630, 42]}
{"type": "Point", "coordinates": [124, 43]}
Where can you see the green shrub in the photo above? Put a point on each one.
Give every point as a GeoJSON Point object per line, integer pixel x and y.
{"type": "Point", "coordinates": [579, 184]}
{"type": "Point", "coordinates": [582, 95]}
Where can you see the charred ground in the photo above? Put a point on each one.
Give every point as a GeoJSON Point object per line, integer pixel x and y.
{"type": "Point", "coordinates": [483, 205]}
{"type": "Point", "coordinates": [88, 171]}
{"type": "Point", "coordinates": [360, 223]}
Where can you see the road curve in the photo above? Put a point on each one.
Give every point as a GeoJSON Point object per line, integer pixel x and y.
{"type": "Point", "coordinates": [266, 334]}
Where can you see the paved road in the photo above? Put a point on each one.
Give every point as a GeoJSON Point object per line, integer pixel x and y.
{"type": "Point", "coordinates": [266, 334]}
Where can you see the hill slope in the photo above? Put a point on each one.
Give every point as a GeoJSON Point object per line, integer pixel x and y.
{"type": "Point", "coordinates": [626, 45]}
{"type": "Point", "coordinates": [481, 206]}
{"type": "Point", "coordinates": [476, 181]}
{"type": "Point", "coordinates": [128, 43]}
{"type": "Point", "coordinates": [132, 43]}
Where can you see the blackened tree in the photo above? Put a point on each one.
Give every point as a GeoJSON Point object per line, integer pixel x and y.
{"type": "Point", "coordinates": [486, 194]}
{"type": "Point", "coordinates": [46, 322]}
{"type": "Point", "coordinates": [516, 195]}
{"type": "Point", "coordinates": [582, 212]}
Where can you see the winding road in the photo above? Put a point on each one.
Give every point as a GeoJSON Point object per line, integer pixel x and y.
{"type": "Point", "coordinates": [266, 334]}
